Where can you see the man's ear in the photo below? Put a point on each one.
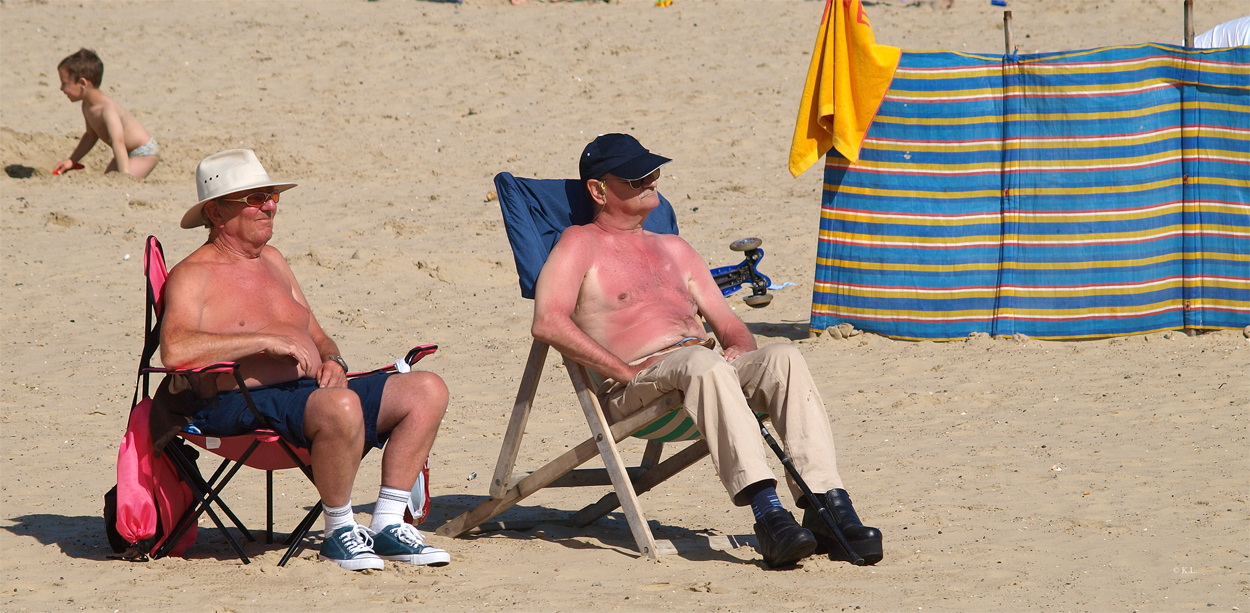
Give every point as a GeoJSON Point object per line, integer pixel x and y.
{"type": "Point", "coordinates": [212, 213]}
{"type": "Point", "coordinates": [597, 193]}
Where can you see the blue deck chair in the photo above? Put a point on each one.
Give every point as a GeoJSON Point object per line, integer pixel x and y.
{"type": "Point", "coordinates": [536, 212]}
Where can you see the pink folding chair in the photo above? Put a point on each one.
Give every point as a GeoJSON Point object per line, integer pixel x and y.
{"type": "Point", "coordinates": [262, 449]}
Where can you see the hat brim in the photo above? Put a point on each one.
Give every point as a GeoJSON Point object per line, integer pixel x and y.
{"type": "Point", "coordinates": [640, 167]}
{"type": "Point", "coordinates": [194, 216]}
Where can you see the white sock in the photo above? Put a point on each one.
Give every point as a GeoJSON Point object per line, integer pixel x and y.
{"type": "Point", "coordinates": [337, 517]}
{"type": "Point", "coordinates": [390, 508]}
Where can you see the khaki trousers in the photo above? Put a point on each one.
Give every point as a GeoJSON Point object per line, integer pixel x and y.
{"type": "Point", "coordinates": [721, 396]}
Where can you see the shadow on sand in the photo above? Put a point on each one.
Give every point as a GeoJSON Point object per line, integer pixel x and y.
{"type": "Point", "coordinates": [609, 533]}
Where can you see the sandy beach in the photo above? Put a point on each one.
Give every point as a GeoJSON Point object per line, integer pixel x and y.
{"type": "Point", "coordinates": [1106, 475]}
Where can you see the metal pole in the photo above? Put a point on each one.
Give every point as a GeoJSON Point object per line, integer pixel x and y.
{"type": "Point", "coordinates": [1189, 24]}
{"type": "Point", "coordinates": [812, 499]}
{"type": "Point", "coordinates": [1007, 31]}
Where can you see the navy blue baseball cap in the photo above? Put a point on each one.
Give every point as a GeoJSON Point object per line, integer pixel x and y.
{"type": "Point", "coordinates": [618, 154]}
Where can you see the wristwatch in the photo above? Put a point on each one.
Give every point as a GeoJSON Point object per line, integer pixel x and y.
{"type": "Point", "coordinates": [340, 360]}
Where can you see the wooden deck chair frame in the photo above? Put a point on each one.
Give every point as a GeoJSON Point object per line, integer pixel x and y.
{"type": "Point", "coordinates": [628, 483]}
{"type": "Point", "coordinates": [660, 422]}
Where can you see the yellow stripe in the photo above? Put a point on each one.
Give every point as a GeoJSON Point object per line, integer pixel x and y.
{"type": "Point", "coordinates": [990, 266]}
{"type": "Point", "coordinates": [1024, 292]}
{"type": "Point", "coordinates": [939, 147]}
{"type": "Point", "coordinates": [996, 217]}
{"type": "Point", "coordinates": [1097, 189]}
{"type": "Point", "coordinates": [852, 311]}
{"type": "Point", "coordinates": [983, 193]}
{"type": "Point", "coordinates": [1220, 181]}
{"type": "Point", "coordinates": [1136, 309]}
{"type": "Point", "coordinates": [841, 215]}
{"type": "Point", "coordinates": [1029, 191]}
{"type": "Point", "coordinates": [1092, 116]}
{"type": "Point", "coordinates": [1026, 240]}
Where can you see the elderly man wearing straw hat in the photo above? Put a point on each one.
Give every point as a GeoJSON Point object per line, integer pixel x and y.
{"type": "Point", "coordinates": [235, 299]}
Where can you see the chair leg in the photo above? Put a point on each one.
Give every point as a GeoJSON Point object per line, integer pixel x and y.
{"type": "Point", "coordinates": [602, 432]}
{"type": "Point", "coordinates": [296, 539]}
{"type": "Point", "coordinates": [206, 498]}
{"type": "Point", "coordinates": [520, 415]}
{"type": "Point", "coordinates": [651, 455]}
{"type": "Point", "coordinates": [269, 507]}
{"type": "Point", "coordinates": [208, 486]}
{"type": "Point", "coordinates": [547, 474]}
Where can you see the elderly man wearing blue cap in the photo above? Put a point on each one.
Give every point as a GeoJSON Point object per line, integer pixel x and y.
{"type": "Point", "coordinates": [626, 303]}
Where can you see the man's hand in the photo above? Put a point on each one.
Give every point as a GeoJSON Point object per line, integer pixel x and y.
{"type": "Point", "coordinates": [331, 375]}
{"type": "Point", "coordinates": [732, 353]}
{"type": "Point", "coordinates": [641, 366]}
{"type": "Point", "coordinates": [280, 345]}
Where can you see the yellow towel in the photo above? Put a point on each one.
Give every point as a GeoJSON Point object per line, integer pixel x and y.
{"type": "Point", "coordinates": [846, 82]}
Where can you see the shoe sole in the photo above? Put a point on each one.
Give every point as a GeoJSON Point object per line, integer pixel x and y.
{"type": "Point", "coordinates": [441, 558]}
{"type": "Point", "coordinates": [357, 563]}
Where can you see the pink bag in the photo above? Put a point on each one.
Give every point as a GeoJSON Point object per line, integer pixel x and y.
{"type": "Point", "coordinates": [148, 487]}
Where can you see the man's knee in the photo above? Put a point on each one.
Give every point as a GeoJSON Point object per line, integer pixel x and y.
{"type": "Point", "coordinates": [336, 409]}
{"type": "Point", "coordinates": [422, 390]}
{"type": "Point", "coordinates": [782, 354]}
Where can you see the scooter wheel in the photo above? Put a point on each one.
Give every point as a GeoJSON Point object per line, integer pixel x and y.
{"type": "Point", "coordinates": [746, 244]}
{"type": "Point", "coordinates": [758, 301]}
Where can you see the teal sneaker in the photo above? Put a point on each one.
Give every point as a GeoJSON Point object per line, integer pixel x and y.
{"type": "Point", "coordinates": [352, 548]}
{"type": "Point", "coordinates": [403, 543]}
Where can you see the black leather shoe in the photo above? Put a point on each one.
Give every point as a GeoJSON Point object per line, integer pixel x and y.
{"type": "Point", "coordinates": [782, 540]}
{"type": "Point", "coordinates": [865, 540]}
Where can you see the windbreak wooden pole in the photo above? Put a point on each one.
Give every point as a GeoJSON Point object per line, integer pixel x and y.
{"type": "Point", "coordinates": [1007, 30]}
{"type": "Point", "coordinates": [1189, 24]}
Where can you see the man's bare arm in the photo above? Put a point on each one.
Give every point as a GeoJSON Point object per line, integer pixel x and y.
{"type": "Point", "coordinates": [328, 374]}
{"type": "Point", "coordinates": [555, 297]}
{"type": "Point", "coordinates": [185, 345]}
{"type": "Point", "coordinates": [734, 337]}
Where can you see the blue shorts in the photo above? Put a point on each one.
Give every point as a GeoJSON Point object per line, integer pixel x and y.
{"type": "Point", "coordinates": [226, 414]}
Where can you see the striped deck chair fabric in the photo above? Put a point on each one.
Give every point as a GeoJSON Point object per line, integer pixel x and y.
{"type": "Point", "coordinates": [1062, 195]}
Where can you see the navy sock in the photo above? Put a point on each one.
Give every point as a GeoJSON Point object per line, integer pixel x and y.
{"type": "Point", "coordinates": [763, 500]}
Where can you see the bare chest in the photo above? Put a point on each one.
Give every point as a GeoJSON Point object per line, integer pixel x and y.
{"type": "Point", "coordinates": [634, 278]}
{"type": "Point", "coordinates": [251, 299]}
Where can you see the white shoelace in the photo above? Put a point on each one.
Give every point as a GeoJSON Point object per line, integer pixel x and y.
{"type": "Point", "coordinates": [357, 540]}
{"type": "Point", "coordinates": [409, 535]}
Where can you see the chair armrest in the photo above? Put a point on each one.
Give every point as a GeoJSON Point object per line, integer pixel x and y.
{"type": "Point", "coordinates": [414, 355]}
{"type": "Point", "coordinates": [216, 367]}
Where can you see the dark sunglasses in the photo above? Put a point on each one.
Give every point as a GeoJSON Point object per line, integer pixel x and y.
{"type": "Point", "coordinates": [257, 199]}
{"type": "Point", "coordinates": [638, 183]}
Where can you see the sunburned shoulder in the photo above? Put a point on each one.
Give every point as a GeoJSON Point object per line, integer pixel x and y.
{"type": "Point", "coordinates": [575, 241]}
{"type": "Point", "coordinates": [272, 254]}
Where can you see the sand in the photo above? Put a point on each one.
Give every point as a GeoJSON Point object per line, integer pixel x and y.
{"type": "Point", "coordinates": [1099, 475]}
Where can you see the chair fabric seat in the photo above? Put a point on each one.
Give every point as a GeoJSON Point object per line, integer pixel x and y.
{"type": "Point", "coordinates": [268, 455]}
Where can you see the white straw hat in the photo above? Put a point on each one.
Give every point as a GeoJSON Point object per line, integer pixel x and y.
{"type": "Point", "coordinates": [230, 171]}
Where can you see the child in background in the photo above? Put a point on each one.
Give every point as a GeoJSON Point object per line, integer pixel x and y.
{"type": "Point", "coordinates": [134, 150]}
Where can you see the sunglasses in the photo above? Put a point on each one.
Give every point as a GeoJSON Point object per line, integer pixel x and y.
{"type": "Point", "coordinates": [638, 183]}
{"type": "Point", "coordinates": [257, 199]}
